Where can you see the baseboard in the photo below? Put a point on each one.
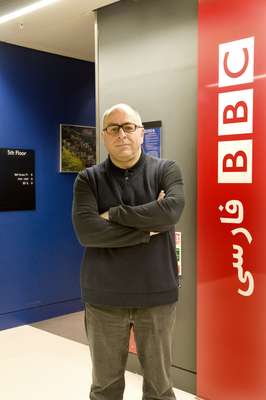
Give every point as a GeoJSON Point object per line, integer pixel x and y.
{"type": "Point", "coordinates": [40, 313]}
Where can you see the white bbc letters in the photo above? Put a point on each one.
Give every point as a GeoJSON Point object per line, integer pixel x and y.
{"type": "Point", "coordinates": [235, 112]}
{"type": "Point", "coordinates": [236, 62]}
{"type": "Point", "coordinates": [235, 161]}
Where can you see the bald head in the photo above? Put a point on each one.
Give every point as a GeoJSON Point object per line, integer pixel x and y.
{"type": "Point", "coordinates": [123, 146]}
{"type": "Point", "coordinates": [124, 108]}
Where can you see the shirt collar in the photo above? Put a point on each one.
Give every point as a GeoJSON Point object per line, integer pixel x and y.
{"type": "Point", "coordinates": [118, 170]}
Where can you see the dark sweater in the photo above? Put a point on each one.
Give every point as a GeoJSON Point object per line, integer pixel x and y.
{"type": "Point", "coordinates": [123, 266]}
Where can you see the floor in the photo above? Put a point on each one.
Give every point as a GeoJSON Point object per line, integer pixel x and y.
{"type": "Point", "coordinates": [38, 364]}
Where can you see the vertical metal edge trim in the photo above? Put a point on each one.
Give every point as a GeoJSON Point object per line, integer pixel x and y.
{"type": "Point", "coordinates": [60, 148]}
{"type": "Point", "coordinates": [96, 41]}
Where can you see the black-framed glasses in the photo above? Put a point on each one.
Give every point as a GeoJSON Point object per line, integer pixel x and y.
{"type": "Point", "coordinates": [128, 127]}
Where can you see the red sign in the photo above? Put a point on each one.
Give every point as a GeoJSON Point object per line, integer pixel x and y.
{"type": "Point", "coordinates": [231, 338]}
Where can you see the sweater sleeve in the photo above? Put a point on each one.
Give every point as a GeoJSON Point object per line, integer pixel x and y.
{"type": "Point", "coordinates": [92, 230]}
{"type": "Point", "coordinates": [157, 215]}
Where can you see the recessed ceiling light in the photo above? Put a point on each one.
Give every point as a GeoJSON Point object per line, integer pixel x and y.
{"type": "Point", "coordinates": [26, 10]}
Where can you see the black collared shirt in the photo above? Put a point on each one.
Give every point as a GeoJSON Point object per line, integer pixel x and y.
{"type": "Point", "coordinates": [123, 265]}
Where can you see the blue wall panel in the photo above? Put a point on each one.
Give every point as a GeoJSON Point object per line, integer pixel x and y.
{"type": "Point", "coordinates": [39, 254]}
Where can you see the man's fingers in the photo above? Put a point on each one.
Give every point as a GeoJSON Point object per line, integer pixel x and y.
{"type": "Point", "coordinates": [105, 215]}
{"type": "Point", "coordinates": [161, 195]}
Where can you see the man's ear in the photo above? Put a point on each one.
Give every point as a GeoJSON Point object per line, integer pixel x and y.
{"type": "Point", "coordinates": [142, 135]}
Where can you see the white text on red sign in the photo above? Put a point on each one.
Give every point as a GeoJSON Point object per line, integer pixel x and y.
{"type": "Point", "coordinates": [235, 211]}
{"type": "Point", "coordinates": [235, 111]}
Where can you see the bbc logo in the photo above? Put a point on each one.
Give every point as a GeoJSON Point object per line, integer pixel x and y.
{"type": "Point", "coordinates": [235, 111]}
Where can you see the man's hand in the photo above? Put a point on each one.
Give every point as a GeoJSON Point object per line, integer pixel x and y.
{"type": "Point", "coordinates": [154, 233]}
{"type": "Point", "coordinates": [161, 195]}
{"type": "Point", "coordinates": [105, 215]}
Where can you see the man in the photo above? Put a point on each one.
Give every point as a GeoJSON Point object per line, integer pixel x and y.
{"type": "Point", "coordinates": [124, 212]}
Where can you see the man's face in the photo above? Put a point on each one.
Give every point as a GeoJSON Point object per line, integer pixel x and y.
{"type": "Point", "coordinates": [124, 146]}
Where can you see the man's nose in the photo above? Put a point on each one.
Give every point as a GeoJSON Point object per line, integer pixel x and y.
{"type": "Point", "coordinates": [121, 133]}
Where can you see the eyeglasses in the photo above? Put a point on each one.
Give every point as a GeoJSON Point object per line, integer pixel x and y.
{"type": "Point", "coordinates": [113, 130]}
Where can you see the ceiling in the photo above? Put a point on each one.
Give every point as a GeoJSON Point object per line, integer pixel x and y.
{"type": "Point", "coordinates": [65, 27]}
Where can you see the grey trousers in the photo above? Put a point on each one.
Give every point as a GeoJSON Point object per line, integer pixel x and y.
{"type": "Point", "coordinates": [108, 331]}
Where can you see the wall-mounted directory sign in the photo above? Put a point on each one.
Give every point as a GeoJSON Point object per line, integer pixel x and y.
{"type": "Point", "coordinates": [17, 179]}
{"type": "Point", "coordinates": [152, 138]}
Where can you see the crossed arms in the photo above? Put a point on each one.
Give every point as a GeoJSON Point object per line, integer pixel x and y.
{"type": "Point", "coordinates": [125, 225]}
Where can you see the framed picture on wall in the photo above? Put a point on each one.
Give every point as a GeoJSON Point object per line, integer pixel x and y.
{"type": "Point", "coordinates": [77, 147]}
